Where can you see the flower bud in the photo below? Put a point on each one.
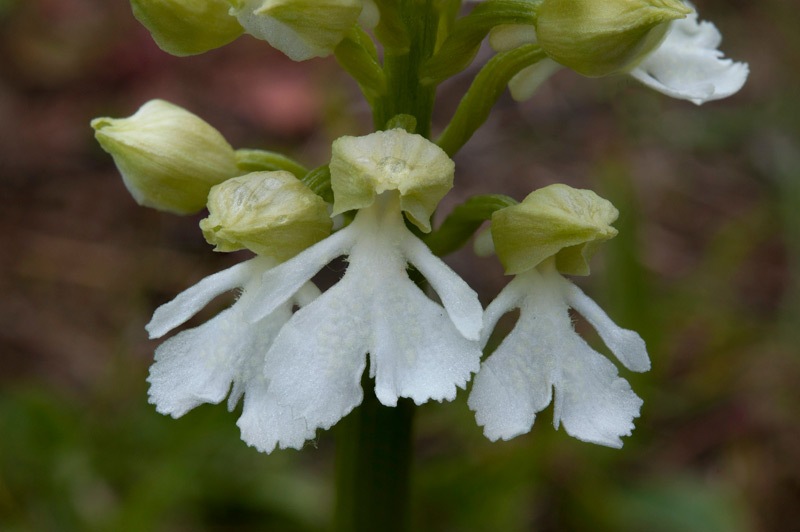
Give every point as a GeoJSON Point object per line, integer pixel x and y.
{"type": "Point", "coordinates": [301, 29]}
{"type": "Point", "coordinates": [363, 167]}
{"type": "Point", "coordinates": [602, 37]}
{"type": "Point", "coordinates": [168, 157]}
{"type": "Point", "coordinates": [270, 213]}
{"type": "Point", "coordinates": [556, 220]}
{"type": "Point", "coordinates": [187, 27]}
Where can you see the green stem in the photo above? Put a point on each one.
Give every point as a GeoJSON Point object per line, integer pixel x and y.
{"type": "Point", "coordinates": [374, 442]}
{"type": "Point", "coordinates": [405, 93]}
{"type": "Point", "coordinates": [373, 466]}
{"type": "Point", "coordinates": [487, 87]}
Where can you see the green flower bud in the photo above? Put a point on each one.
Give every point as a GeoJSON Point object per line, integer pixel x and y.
{"type": "Point", "coordinates": [168, 157]}
{"type": "Point", "coordinates": [301, 29]}
{"type": "Point", "coordinates": [363, 167]}
{"type": "Point", "coordinates": [270, 213]}
{"type": "Point", "coordinates": [602, 37]}
{"type": "Point", "coordinates": [556, 220]}
{"type": "Point", "coordinates": [187, 27]}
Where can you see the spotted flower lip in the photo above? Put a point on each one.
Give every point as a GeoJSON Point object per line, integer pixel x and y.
{"type": "Point", "coordinates": [543, 353]}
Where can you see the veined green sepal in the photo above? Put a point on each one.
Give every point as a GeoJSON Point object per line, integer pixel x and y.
{"type": "Point", "coordinates": [301, 29]}
{"type": "Point", "coordinates": [270, 213]}
{"type": "Point", "coordinates": [248, 160]}
{"type": "Point", "coordinates": [169, 158]}
{"type": "Point", "coordinates": [603, 37]}
{"type": "Point", "coordinates": [187, 27]}
{"type": "Point", "coordinates": [363, 167]}
{"type": "Point", "coordinates": [556, 220]}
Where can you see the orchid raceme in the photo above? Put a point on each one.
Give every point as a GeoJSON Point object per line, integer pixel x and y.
{"type": "Point", "coordinates": [681, 61]}
{"type": "Point", "coordinates": [543, 352]}
{"type": "Point", "coordinates": [398, 325]}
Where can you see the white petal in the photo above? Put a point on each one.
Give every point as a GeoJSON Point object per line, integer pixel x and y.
{"type": "Point", "coordinates": [284, 281]}
{"type": "Point", "coordinates": [516, 381]}
{"type": "Point", "coordinates": [194, 366]}
{"type": "Point", "coordinates": [627, 345]}
{"type": "Point", "coordinates": [190, 301]}
{"type": "Point", "coordinates": [198, 365]}
{"type": "Point", "coordinates": [509, 298]}
{"type": "Point", "coordinates": [460, 301]}
{"type": "Point", "coordinates": [592, 401]}
{"type": "Point", "coordinates": [525, 83]}
{"type": "Point", "coordinates": [416, 350]}
{"type": "Point", "coordinates": [265, 424]}
{"type": "Point", "coordinates": [688, 66]}
{"type": "Point", "coordinates": [316, 362]}
{"type": "Point", "coordinates": [370, 15]}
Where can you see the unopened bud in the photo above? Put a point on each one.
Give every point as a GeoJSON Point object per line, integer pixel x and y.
{"type": "Point", "coordinates": [187, 27]}
{"type": "Point", "coordinates": [168, 157]}
{"type": "Point", "coordinates": [270, 213]}
{"type": "Point", "coordinates": [602, 37]}
{"type": "Point", "coordinates": [301, 29]}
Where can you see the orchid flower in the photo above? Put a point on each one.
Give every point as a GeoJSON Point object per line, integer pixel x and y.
{"type": "Point", "coordinates": [273, 214]}
{"type": "Point", "coordinates": [679, 57]}
{"type": "Point", "coordinates": [555, 228]}
{"type": "Point", "coordinates": [417, 348]}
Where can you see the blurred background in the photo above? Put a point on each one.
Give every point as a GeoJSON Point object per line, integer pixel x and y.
{"type": "Point", "coordinates": [705, 267]}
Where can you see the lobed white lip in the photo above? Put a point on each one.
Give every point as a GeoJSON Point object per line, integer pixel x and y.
{"type": "Point", "coordinates": [688, 66]}
{"type": "Point", "coordinates": [543, 354]}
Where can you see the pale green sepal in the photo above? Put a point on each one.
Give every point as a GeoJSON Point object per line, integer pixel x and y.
{"type": "Point", "coordinates": [602, 37]}
{"type": "Point", "coordinates": [556, 220]}
{"type": "Point", "coordinates": [168, 157]}
{"type": "Point", "coordinates": [318, 180]}
{"type": "Point", "coordinates": [391, 30]}
{"type": "Point", "coordinates": [506, 37]}
{"type": "Point", "coordinates": [301, 29]}
{"type": "Point", "coordinates": [403, 121]}
{"type": "Point", "coordinates": [187, 27]}
{"type": "Point", "coordinates": [270, 213]}
{"type": "Point", "coordinates": [267, 161]}
{"type": "Point", "coordinates": [363, 167]}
